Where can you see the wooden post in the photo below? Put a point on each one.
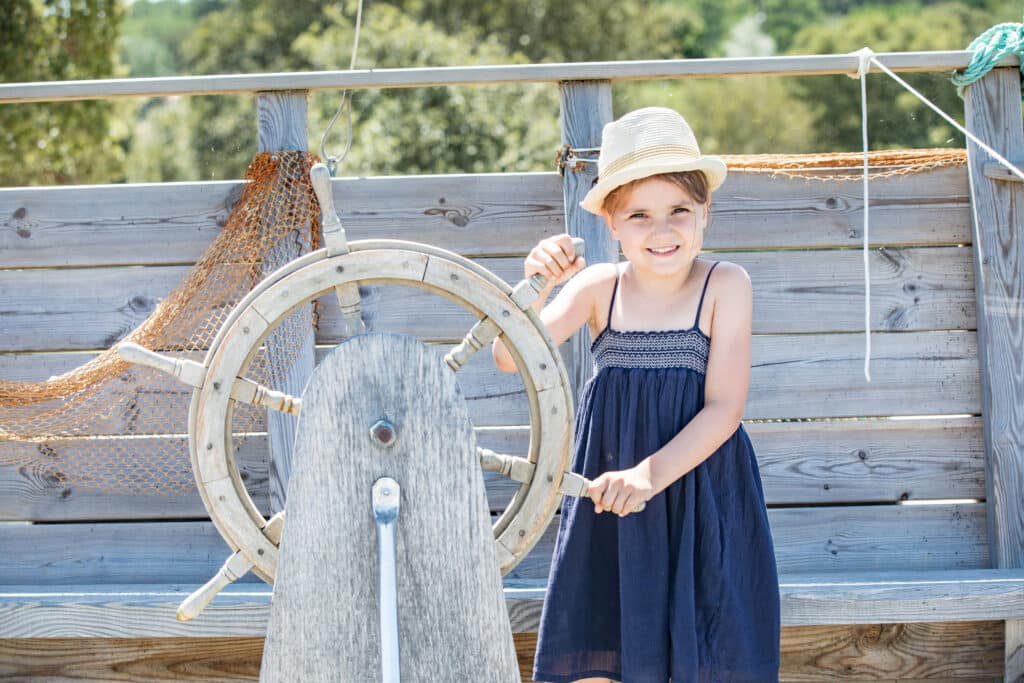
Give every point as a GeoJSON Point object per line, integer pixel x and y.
{"type": "Point", "coordinates": [993, 113]}
{"type": "Point", "coordinates": [327, 614]}
{"type": "Point", "coordinates": [586, 108]}
{"type": "Point", "coordinates": [281, 118]}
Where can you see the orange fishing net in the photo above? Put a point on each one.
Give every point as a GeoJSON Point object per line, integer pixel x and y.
{"type": "Point", "coordinates": [113, 426]}
{"type": "Point", "coordinates": [847, 165]}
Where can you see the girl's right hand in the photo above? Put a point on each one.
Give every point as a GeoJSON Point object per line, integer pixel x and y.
{"type": "Point", "coordinates": [555, 258]}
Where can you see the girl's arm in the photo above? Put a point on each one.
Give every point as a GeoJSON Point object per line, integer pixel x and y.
{"type": "Point", "coordinates": [574, 305]}
{"type": "Point", "coordinates": [725, 394]}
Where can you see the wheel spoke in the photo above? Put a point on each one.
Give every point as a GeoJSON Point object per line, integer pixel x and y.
{"type": "Point", "coordinates": [479, 335]}
{"type": "Point", "coordinates": [351, 309]}
{"type": "Point", "coordinates": [194, 375]}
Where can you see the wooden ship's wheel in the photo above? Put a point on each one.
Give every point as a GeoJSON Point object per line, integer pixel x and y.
{"type": "Point", "coordinates": [219, 382]}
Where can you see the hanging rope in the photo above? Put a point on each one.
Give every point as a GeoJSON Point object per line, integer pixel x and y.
{"type": "Point", "coordinates": [863, 66]}
{"type": "Point", "coordinates": [1002, 40]}
{"type": "Point", "coordinates": [994, 44]}
{"type": "Point", "coordinates": [346, 105]}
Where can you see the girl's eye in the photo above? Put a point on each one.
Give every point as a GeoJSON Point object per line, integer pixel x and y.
{"type": "Point", "coordinates": [638, 215]}
{"type": "Point", "coordinates": [680, 209]}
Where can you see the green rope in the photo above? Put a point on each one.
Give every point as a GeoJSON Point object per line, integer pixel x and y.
{"type": "Point", "coordinates": [991, 46]}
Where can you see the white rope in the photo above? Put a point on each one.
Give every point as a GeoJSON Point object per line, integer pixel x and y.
{"type": "Point", "coordinates": [346, 105]}
{"type": "Point", "coordinates": [864, 56]}
{"type": "Point", "coordinates": [973, 138]}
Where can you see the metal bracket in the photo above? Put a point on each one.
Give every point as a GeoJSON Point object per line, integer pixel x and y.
{"type": "Point", "coordinates": [575, 158]}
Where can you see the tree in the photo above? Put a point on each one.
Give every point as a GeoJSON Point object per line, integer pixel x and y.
{"type": "Point", "coordinates": [430, 130]}
{"type": "Point", "coordinates": [48, 40]}
{"type": "Point", "coordinates": [896, 118]}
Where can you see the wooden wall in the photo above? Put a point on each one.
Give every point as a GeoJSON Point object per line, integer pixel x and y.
{"type": "Point", "coordinates": [79, 267]}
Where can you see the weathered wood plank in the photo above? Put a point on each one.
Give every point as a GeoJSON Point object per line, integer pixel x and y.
{"type": "Point", "coordinates": [281, 124]}
{"type": "Point", "coordinates": [453, 615]}
{"type": "Point", "coordinates": [174, 223]}
{"type": "Point", "coordinates": [147, 610]}
{"type": "Point", "coordinates": [917, 373]}
{"type": "Point", "coordinates": [961, 651]}
{"type": "Point", "coordinates": [32, 488]}
{"type": "Point", "coordinates": [905, 652]}
{"type": "Point", "coordinates": [495, 398]}
{"type": "Point", "coordinates": [963, 648]}
{"type": "Point", "coordinates": [480, 75]}
{"type": "Point", "coordinates": [912, 290]}
{"type": "Point", "coordinates": [824, 462]}
{"type": "Point", "coordinates": [833, 539]}
{"type": "Point", "coordinates": [474, 215]}
{"type": "Point", "coordinates": [200, 660]}
{"type": "Point", "coordinates": [993, 113]}
{"type": "Point", "coordinates": [821, 375]}
{"type": "Point", "coordinates": [586, 106]}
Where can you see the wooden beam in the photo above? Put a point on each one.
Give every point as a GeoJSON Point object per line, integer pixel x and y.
{"type": "Point", "coordinates": [993, 113]}
{"type": "Point", "coordinates": [281, 119]}
{"type": "Point", "coordinates": [789, 65]}
{"type": "Point", "coordinates": [586, 108]}
{"type": "Point", "coordinates": [484, 214]}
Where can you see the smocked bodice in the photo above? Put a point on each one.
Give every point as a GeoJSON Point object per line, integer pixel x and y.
{"type": "Point", "coordinates": [656, 349]}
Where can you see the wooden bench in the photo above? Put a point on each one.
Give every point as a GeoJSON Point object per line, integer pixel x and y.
{"type": "Point", "coordinates": [895, 505]}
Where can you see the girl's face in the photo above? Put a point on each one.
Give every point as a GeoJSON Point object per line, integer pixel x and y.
{"type": "Point", "coordinates": [659, 226]}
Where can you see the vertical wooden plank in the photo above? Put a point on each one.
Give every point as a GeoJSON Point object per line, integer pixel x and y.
{"type": "Point", "coordinates": [281, 118]}
{"type": "Point", "coordinates": [993, 113]}
{"type": "Point", "coordinates": [586, 108]}
{"type": "Point", "coordinates": [450, 622]}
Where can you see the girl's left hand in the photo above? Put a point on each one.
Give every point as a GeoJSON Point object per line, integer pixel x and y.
{"type": "Point", "coordinates": [621, 491]}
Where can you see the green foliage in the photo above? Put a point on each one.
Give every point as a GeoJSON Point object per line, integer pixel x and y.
{"type": "Point", "coordinates": [895, 117]}
{"type": "Point", "coordinates": [58, 40]}
{"type": "Point", "coordinates": [501, 127]}
{"type": "Point", "coordinates": [430, 130]}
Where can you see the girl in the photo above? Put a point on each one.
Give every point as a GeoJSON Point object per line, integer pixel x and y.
{"type": "Point", "coordinates": [686, 589]}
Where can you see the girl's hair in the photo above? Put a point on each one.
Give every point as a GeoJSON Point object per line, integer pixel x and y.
{"type": "Point", "coordinates": [694, 183]}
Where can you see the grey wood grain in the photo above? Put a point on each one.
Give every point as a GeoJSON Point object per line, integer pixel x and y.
{"type": "Point", "coordinates": [324, 623]}
{"type": "Point", "coordinates": [473, 215]}
{"type": "Point", "coordinates": [822, 462]}
{"type": "Point", "coordinates": [586, 106]}
{"type": "Point", "coordinates": [281, 118]}
{"type": "Point", "coordinates": [993, 113]}
{"type": "Point", "coordinates": [811, 539]}
{"type": "Point", "coordinates": [147, 610]}
{"type": "Point", "coordinates": [487, 74]}
{"type": "Point", "coordinates": [174, 223]}
{"type": "Point", "coordinates": [919, 373]}
{"type": "Point", "coordinates": [911, 289]}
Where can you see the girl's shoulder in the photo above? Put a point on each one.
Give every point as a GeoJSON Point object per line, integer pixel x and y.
{"type": "Point", "coordinates": [726, 275]}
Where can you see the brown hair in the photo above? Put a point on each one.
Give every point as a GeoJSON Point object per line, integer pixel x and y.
{"type": "Point", "coordinates": [694, 183]}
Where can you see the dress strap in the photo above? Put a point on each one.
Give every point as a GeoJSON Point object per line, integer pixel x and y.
{"type": "Point", "coordinates": [700, 305]}
{"type": "Point", "coordinates": [611, 304]}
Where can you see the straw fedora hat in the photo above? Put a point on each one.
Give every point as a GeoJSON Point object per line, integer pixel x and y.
{"type": "Point", "coordinates": [648, 142]}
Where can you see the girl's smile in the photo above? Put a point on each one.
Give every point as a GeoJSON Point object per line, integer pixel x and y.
{"type": "Point", "coordinates": [659, 226]}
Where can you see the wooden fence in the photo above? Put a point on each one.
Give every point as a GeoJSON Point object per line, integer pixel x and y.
{"type": "Point", "coordinates": [935, 491]}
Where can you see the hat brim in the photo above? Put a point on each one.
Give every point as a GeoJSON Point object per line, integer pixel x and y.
{"type": "Point", "coordinates": [712, 166]}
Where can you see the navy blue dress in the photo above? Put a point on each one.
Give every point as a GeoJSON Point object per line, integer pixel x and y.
{"type": "Point", "coordinates": [687, 589]}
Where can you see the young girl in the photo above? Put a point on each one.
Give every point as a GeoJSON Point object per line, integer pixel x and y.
{"type": "Point", "coordinates": [685, 589]}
